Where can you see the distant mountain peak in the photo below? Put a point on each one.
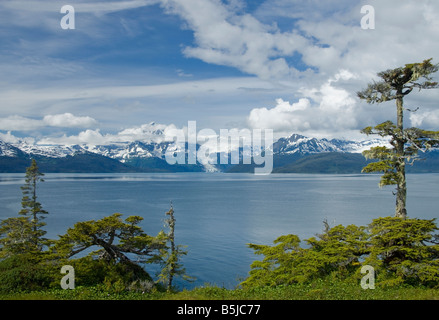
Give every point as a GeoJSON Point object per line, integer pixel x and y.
{"type": "Point", "coordinates": [297, 143]}
{"type": "Point", "coordinates": [7, 150]}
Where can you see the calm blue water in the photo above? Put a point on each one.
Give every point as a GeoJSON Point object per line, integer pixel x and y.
{"type": "Point", "coordinates": [218, 214]}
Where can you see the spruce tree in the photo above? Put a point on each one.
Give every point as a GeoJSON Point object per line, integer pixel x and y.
{"type": "Point", "coordinates": [31, 208]}
{"type": "Point", "coordinates": [395, 84]}
{"type": "Point", "coordinates": [171, 255]}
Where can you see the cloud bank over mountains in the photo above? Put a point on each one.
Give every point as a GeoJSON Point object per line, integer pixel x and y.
{"type": "Point", "coordinates": [66, 120]}
{"type": "Point", "coordinates": [328, 108]}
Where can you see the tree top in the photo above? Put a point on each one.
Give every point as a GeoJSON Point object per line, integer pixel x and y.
{"type": "Point", "coordinates": [396, 83]}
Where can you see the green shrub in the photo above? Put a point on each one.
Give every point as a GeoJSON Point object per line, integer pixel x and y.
{"type": "Point", "coordinates": [334, 253]}
{"type": "Point", "coordinates": [402, 251]}
{"type": "Point", "coordinates": [29, 272]}
{"type": "Point", "coordinates": [114, 276]}
{"type": "Point", "coordinates": [24, 273]}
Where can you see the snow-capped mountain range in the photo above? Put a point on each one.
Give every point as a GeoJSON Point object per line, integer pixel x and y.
{"type": "Point", "coordinates": [123, 151]}
{"type": "Point", "coordinates": [297, 143]}
{"type": "Point", "coordinates": [295, 153]}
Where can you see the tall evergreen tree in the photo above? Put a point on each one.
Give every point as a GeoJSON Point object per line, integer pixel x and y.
{"type": "Point", "coordinates": [171, 255]}
{"type": "Point", "coordinates": [31, 208]}
{"type": "Point", "coordinates": [24, 234]}
{"type": "Point", "coordinates": [395, 84]}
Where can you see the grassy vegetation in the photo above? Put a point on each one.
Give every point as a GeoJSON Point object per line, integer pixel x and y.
{"type": "Point", "coordinates": [317, 290]}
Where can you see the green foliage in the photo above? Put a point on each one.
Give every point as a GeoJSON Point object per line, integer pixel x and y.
{"type": "Point", "coordinates": [29, 201]}
{"type": "Point", "coordinates": [277, 266]}
{"type": "Point", "coordinates": [402, 251]}
{"type": "Point", "coordinates": [25, 272]}
{"type": "Point", "coordinates": [406, 144]}
{"type": "Point", "coordinates": [117, 241]}
{"type": "Point", "coordinates": [16, 237]}
{"type": "Point", "coordinates": [114, 237]}
{"type": "Point", "coordinates": [315, 290]}
{"type": "Point", "coordinates": [336, 251]}
{"type": "Point", "coordinates": [92, 272]}
{"type": "Point", "coordinates": [36, 270]}
{"type": "Point", "coordinates": [400, 81]}
{"type": "Point", "coordinates": [386, 165]}
{"type": "Point", "coordinates": [170, 256]}
{"type": "Point", "coordinates": [31, 208]}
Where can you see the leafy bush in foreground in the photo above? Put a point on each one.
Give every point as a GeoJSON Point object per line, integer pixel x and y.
{"type": "Point", "coordinates": [402, 251]}
{"type": "Point", "coordinates": [24, 273]}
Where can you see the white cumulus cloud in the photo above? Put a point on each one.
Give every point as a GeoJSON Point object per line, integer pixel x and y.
{"type": "Point", "coordinates": [328, 108]}
{"type": "Point", "coordinates": [283, 117]}
{"type": "Point", "coordinates": [425, 119]}
{"type": "Point", "coordinates": [19, 123]}
{"type": "Point", "coordinates": [68, 120]}
{"type": "Point", "coordinates": [224, 37]}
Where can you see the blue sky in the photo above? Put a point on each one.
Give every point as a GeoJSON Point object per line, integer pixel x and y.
{"type": "Point", "coordinates": [288, 65]}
